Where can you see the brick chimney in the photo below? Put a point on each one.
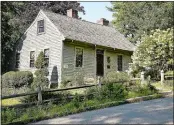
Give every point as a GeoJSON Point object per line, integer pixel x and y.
{"type": "Point", "coordinates": [72, 13]}
{"type": "Point", "coordinates": [103, 21]}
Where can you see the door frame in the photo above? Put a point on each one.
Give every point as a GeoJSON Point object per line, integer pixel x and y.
{"type": "Point", "coordinates": [98, 48]}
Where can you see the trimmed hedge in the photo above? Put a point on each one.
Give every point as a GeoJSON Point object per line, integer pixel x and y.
{"type": "Point", "coordinates": [17, 79]}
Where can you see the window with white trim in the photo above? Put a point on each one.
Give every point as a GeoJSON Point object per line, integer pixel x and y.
{"type": "Point", "coordinates": [32, 58]}
{"type": "Point", "coordinates": [46, 57]}
{"type": "Point", "coordinates": [40, 26]}
{"type": "Point", "coordinates": [79, 57]}
{"type": "Point", "coordinates": [120, 62]}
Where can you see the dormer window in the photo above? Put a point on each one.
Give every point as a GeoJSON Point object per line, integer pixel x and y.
{"type": "Point", "coordinates": [40, 26]}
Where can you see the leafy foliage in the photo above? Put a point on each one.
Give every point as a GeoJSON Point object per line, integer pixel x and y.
{"type": "Point", "coordinates": [40, 63]}
{"type": "Point", "coordinates": [111, 94]}
{"type": "Point", "coordinates": [17, 79]}
{"type": "Point", "coordinates": [41, 72]}
{"type": "Point", "coordinates": [135, 18]}
{"type": "Point", "coordinates": [112, 77]}
{"type": "Point", "coordinates": [154, 53]}
{"type": "Point", "coordinates": [32, 8]}
{"type": "Point", "coordinates": [76, 80]}
{"type": "Point", "coordinates": [114, 91]}
{"type": "Point", "coordinates": [8, 115]}
{"type": "Point", "coordinates": [76, 100]}
{"type": "Point", "coordinates": [9, 31]}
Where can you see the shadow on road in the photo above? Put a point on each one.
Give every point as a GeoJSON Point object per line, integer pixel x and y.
{"type": "Point", "coordinates": [158, 111]}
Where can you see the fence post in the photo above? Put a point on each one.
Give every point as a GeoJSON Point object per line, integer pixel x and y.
{"type": "Point", "coordinates": [99, 81]}
{"type": "Point", "coordinates": [162, 77]}
{"type": "Point", "coordinates": [142, 77]}
{"type": "Point", "coordinates": [39, 95]}
{"type": "Point", "coordinates": [149, 78]}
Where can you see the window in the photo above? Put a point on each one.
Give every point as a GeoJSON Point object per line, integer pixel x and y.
{"type": "Point", "coordinates": [40, 26]}
{"type": "Point", "coordinates": [120, 62]}
{"type": "Point", "coordinates": [46, 57]}
{"type": "Point", "coordinates": [79, 57]}
{"type": "Point", "coordinates": [108, 62]}
{"type": "Point", "coordinates": [32, 57]}
{"type": "Point", "coordinates": [17, 60]}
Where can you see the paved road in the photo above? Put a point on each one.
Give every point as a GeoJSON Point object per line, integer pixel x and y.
{"type": "Point", "coordinates": [158, 111]}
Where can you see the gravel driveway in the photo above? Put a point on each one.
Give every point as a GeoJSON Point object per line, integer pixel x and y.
{"type": "Point", "coordinates": [158, 111]}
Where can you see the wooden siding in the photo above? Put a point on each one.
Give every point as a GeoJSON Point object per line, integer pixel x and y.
{"type": "Point", "coordinates": [69, 68]}
{"type": "Point", "coordinates": [89, 60]}
{"type": "Point", "coordinates": [51, 39]}
{"type": "Point", "coordinates": [113, 64]}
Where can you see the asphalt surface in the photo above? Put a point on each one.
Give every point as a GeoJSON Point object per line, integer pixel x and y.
{"type": "Point", "coordinates": [158, 111]}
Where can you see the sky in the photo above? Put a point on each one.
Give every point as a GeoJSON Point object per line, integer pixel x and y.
{"type": "Point", "coordinates": [96, 10]}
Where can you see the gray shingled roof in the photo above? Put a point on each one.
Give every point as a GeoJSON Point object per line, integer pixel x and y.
{"type": "Point", "coordinates": [89, 32]}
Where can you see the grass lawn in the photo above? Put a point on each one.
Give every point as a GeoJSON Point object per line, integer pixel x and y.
{"type": "Point", "coordinates": [9, 102]}
{"type": "Point", "coordinates": [78, 91]}
{"type": "Point", "coordinates": [163, 88]}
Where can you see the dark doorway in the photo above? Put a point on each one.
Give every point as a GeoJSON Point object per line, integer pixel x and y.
{"type": "Point", "coordinates": [100, 62]}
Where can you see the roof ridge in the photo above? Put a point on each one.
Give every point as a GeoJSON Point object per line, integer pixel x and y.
{"type": "Point", "coordinates": [92, 33]}
{"type": "Point", "coordinates": [76, 18]}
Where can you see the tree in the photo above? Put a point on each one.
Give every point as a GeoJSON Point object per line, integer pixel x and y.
{"type": "Point", "coordinates": [16, 18]}
{"type": "Point", "coordinates": [154, 53]}
{"type": "Point", "coordinates": [9, 31]}
{"type": "Point", "coordinates": [41, 72]}
{"type": "Point", "coordinates": [32, 8]}
{"type": "Point", "coordinates": [136, 18]}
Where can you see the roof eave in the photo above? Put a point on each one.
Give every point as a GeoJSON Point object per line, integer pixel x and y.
{"type": "Point", "coordinates": [66, 38]}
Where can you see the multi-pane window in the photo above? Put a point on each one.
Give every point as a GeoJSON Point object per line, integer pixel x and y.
{"type": "Point", "coordinates": [32, 58]}
{"type": "Point", "coordinates": [108, 62]}
{"type": "Point", "coordinates": [46, 57]}
{"type": "Point", "coordinates": [40, 26]}
{"type": "Point", "coordinates": [17, 60]}
{"type": "Point", "coordinates": [120, 62]}
{"type": "Point", "coordinates": [79, 57]}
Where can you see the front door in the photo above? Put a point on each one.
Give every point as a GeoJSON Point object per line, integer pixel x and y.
{"type": "Point", "coordinates": [100, 62]}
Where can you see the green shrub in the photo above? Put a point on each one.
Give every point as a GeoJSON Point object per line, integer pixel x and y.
{"type": "Point", "coordinates": [66, 81]}
{"type": "Point", "coordinates": [113, 77]}
{"type": "Point", "coordinates": [120, 91]}
{"type": "Point", "coordinates": [142, 90]}
{"type": "Point", "coordinates": [41, 81]}
{"type": "Point", "coordinates": [41, 73]}
{"type": "Point", "coordinates": [108, 91]}
{"type": "Point", "coordinates": [76, 80]}
{"type": "Point", "coordinates": [10, 91]}
{"type": "Point", "coordinates": [134, 82]}
{"type": "Point", "coordinates": [76, 100]}
{"type": "Point", "coordinates": [8, 115]}
{"type": "Point", "coordinates": [17, 79]}
{"type": "Point", "coordinates": [40, 62]}
{"type": "Point", "coordinates": [79, 78]}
